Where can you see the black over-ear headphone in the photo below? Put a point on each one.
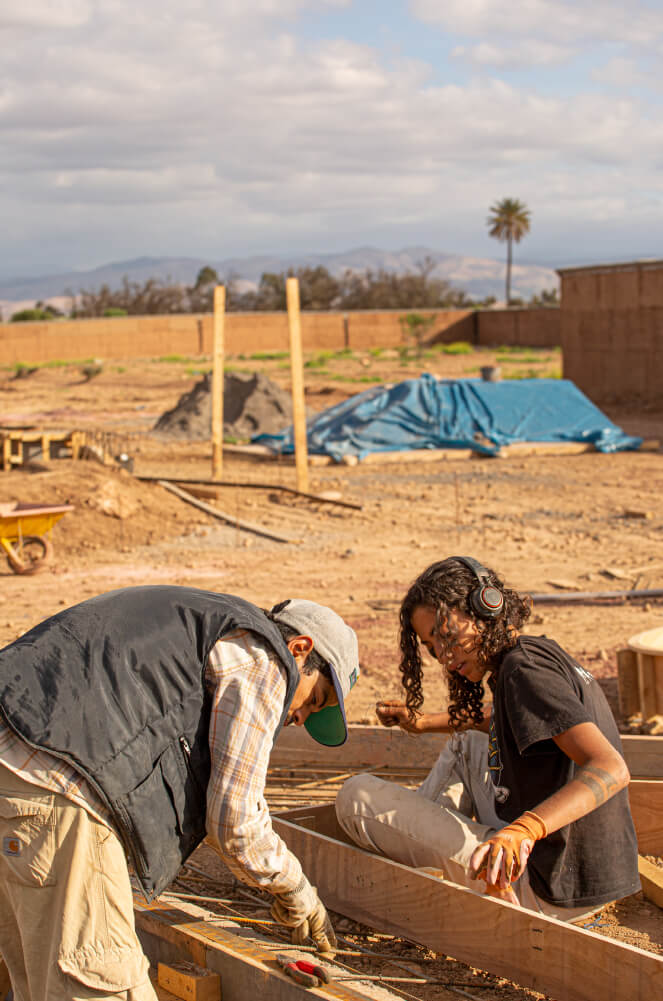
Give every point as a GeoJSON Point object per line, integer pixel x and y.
{"type": "Point", "coordinates": [486, 600]}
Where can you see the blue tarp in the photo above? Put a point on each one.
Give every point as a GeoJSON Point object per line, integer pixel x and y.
{"type": "Point", "coordinates": [456, 413]}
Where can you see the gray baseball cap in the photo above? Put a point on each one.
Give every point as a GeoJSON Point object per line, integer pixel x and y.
{"type": "Point", "coordinates": [336, 643]}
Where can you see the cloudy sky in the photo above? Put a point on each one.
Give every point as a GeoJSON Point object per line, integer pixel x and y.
{"type": "Point", "coordinates": [217, 128]}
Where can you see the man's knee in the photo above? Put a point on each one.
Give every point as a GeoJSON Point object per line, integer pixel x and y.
{"type": "Point", "coordinates": [354, 794]}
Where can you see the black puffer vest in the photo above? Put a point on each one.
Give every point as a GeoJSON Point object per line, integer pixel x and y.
{"type": "Point", "coordinates": [115, 686]}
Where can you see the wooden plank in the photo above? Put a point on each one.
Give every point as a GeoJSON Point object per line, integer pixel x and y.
{"type": "Point", "coordinates": [627, 682]}
{"type": "Point", "coordinates": [189, 981]}
{"type": "Point", "coordinates": [247, 526]}
{"type": "Point", "coordinates": [247, 970]}
{"type": "Point", "coordinates": [644, 755]}
{"type": "Point", "coordinates": [379, 745]}
{"type": "Point", "coordinates": [647, 684]}
{"type": "Point", "coordinates": [214, 485]}
{"type": "Point", "coordinates": [217, 379]}
{"type": "Point", "coordinates": [646, 797]}
{"type": "Point", "coordinates": [521, 448]}
{"type": "Point", "coordinates": [651, 878]}
{"type": "Point", "coordinates": [658, 682]}
{"type": "Point", "coordinates": [297, 379]}
{"type": "Point", "coordinates": [366, 745]}
{"type": "Point", "coordinates": [557, 959]}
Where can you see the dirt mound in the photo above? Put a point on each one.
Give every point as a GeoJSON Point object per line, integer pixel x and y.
{"type": "Point", "coordinates": [112, 510]}
{"type": "Point", "coordinates": [252, 404]}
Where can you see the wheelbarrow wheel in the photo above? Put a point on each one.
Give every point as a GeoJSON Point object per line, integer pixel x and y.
{"type": "Point", "coordinates": [32, 556]}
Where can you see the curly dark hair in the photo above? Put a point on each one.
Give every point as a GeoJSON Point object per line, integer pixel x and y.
{"type": "Point", "coordinates": [441, 587]}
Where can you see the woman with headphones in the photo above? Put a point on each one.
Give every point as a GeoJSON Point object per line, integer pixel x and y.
{"type": "Point", "coordinates": [528, 800]}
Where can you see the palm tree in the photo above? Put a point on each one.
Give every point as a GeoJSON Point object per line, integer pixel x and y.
{"type": "Point", "coordinates": [508, 220]}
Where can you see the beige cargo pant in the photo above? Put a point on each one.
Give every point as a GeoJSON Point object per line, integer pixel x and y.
{"type": "Point", "coordinates": [67, 928]}
{"type": "Point", "coordinates": [439, 824]}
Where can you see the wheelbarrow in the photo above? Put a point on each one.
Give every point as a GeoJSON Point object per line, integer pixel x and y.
{"type": "Point", "coordinates": [23, 534]}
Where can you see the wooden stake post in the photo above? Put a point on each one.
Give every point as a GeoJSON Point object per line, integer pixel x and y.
{"type": "Point", "coordinates": [217, 381]}
{"type": "Point", "coordinates": [297, 371]}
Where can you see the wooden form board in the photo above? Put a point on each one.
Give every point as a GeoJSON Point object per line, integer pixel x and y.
{"type": "Point", "coordinates": [521, 448]}
{"type": "Point", "coordinates": [297, 379]}
{"type": "Point", "coordinates": [651, 878]}
{"type": "Point", "coordinates": [646, 796]}
{"type": "Point", "coordinates": [184, 932]}
{"type": "Point", "coordinates": [379, 745]}
{"type": "Point", "coordinates": [218, 348]}
{"type": "Point", "coordinates": [370, 747]}
{"type": "Point", "coordinates": [557, 959]}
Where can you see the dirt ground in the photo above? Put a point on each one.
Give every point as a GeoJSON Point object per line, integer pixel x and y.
{"type": "Point", "coordinates": [587, 522]}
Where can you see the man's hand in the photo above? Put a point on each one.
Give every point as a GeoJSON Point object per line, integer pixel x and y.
{"type": "Point", "coordinates": [397, 714]}
{"type": "Point", "coordinates": [303, 912]}
{"type": "Point", "coordinates": [502, 859]}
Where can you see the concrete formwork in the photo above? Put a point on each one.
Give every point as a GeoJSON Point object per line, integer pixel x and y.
{"type": "Point", "coordinates": [612, 330]}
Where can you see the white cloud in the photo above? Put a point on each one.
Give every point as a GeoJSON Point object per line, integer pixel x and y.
{"type": "Point", "coordinates": [44, 13]}
{"type": "Point", "coordinates": [565, 21]}
{"type": "Point", "coordinates": [530, 52]}
{"type": "Point", "coordinates": [163, 129]}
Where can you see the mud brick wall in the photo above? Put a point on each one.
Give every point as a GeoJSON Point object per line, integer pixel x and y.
{"type": "Point", "coordinates": [531, 328]}
{"type": "Point", "coordinates": [612, 331]}
{"type": "Point", "coordinates": [250, 333]}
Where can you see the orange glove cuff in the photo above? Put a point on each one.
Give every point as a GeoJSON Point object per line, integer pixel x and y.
{"type": "Point", "coordinates": [527, 825]}
{"type": "Point", "coordinates": [507, 843]}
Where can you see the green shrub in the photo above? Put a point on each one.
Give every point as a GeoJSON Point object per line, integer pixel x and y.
{"type": "Point", "coordinates": [457, 348]}
{"type": "Point", "coordinates": [114, 311]}
{"type": "Point", "coordinates": [30, 316]}
{"type": "Point", "coordinates": [269, 355]}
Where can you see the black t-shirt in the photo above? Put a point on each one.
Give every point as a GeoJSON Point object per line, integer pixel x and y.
{"type": "Point", "coordinates": [540, 692]}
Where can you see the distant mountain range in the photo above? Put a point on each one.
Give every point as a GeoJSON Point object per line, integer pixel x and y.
{"type": "Point", "coordinates": [477, 276]}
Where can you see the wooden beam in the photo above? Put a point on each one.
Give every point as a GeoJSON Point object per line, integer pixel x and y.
{"type": "Point", "coordinates": [365, 746]}
{"type": "Point", "coordinates": [646, 796]}
{"type": "Point", "coordinates": [379, 745]}
{"type": "Point", "coordinates": [217, 379]}
{"type": "Point", "coordinates": [230, 519]}
{"type": "Point", "coordinates": [189, 981]}
{"type": "Point", "coordinates": [627, 682]}
{"type": "Point", "coordinates": [521, 448]}
{"type": "Point", "coordinates": [651, 878]}
{"type": "Point", "coordinates": [557, 959]}
{"type": "Point", "coordinates": [390, 749]}
{"type": "Point", "coordinates": [215, 485]}
{"type": "Point", "coordinates": [188, 933]}
{"type": "Point", "coordinates": [297, 376]}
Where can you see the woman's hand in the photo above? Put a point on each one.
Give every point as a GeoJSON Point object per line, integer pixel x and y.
{"type": "Point", "coordinates": [397, 714]}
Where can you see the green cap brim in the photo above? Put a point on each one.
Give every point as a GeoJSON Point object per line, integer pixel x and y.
{"type": "Point", "coordinates": [328, 726]}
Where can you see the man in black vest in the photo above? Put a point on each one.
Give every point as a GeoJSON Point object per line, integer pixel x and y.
{"type": "Point", "coordinates": [135, 724]}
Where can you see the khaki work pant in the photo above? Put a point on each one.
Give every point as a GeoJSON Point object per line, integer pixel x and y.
{"type": "Point", "coordinates": [434, 826]}
{"type": "Point", "coordinates": [67, 928]}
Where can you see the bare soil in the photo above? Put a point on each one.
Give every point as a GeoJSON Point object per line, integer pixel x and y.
{"type": "Point", "coordinates": [587, 522]}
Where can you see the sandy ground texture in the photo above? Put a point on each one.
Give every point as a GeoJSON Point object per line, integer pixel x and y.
{"type": "Point", "coordinates": [587, 522]}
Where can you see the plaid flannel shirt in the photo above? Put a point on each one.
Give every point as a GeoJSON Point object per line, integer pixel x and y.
{"type": "Point", "coordinates": [248, 687]}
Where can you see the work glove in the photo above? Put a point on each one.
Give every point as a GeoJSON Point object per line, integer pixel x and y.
{"type": "Point", "coordinates": [303, 912]}
{"type": "Point", "coordinates": [502, 859]}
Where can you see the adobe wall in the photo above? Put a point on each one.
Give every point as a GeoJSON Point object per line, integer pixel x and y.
{"type": "Point", "coordinates": [532, 328]}
{"type": "Point", "coordinates": [612, 330]}
{"type": "Point", "coordinates": [250, 333]}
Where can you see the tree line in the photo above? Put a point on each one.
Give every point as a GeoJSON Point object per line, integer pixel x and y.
{"type": "Point", "coordinates": [319, 290]}
{"type": "Point", "coordinates": [509, 221]}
